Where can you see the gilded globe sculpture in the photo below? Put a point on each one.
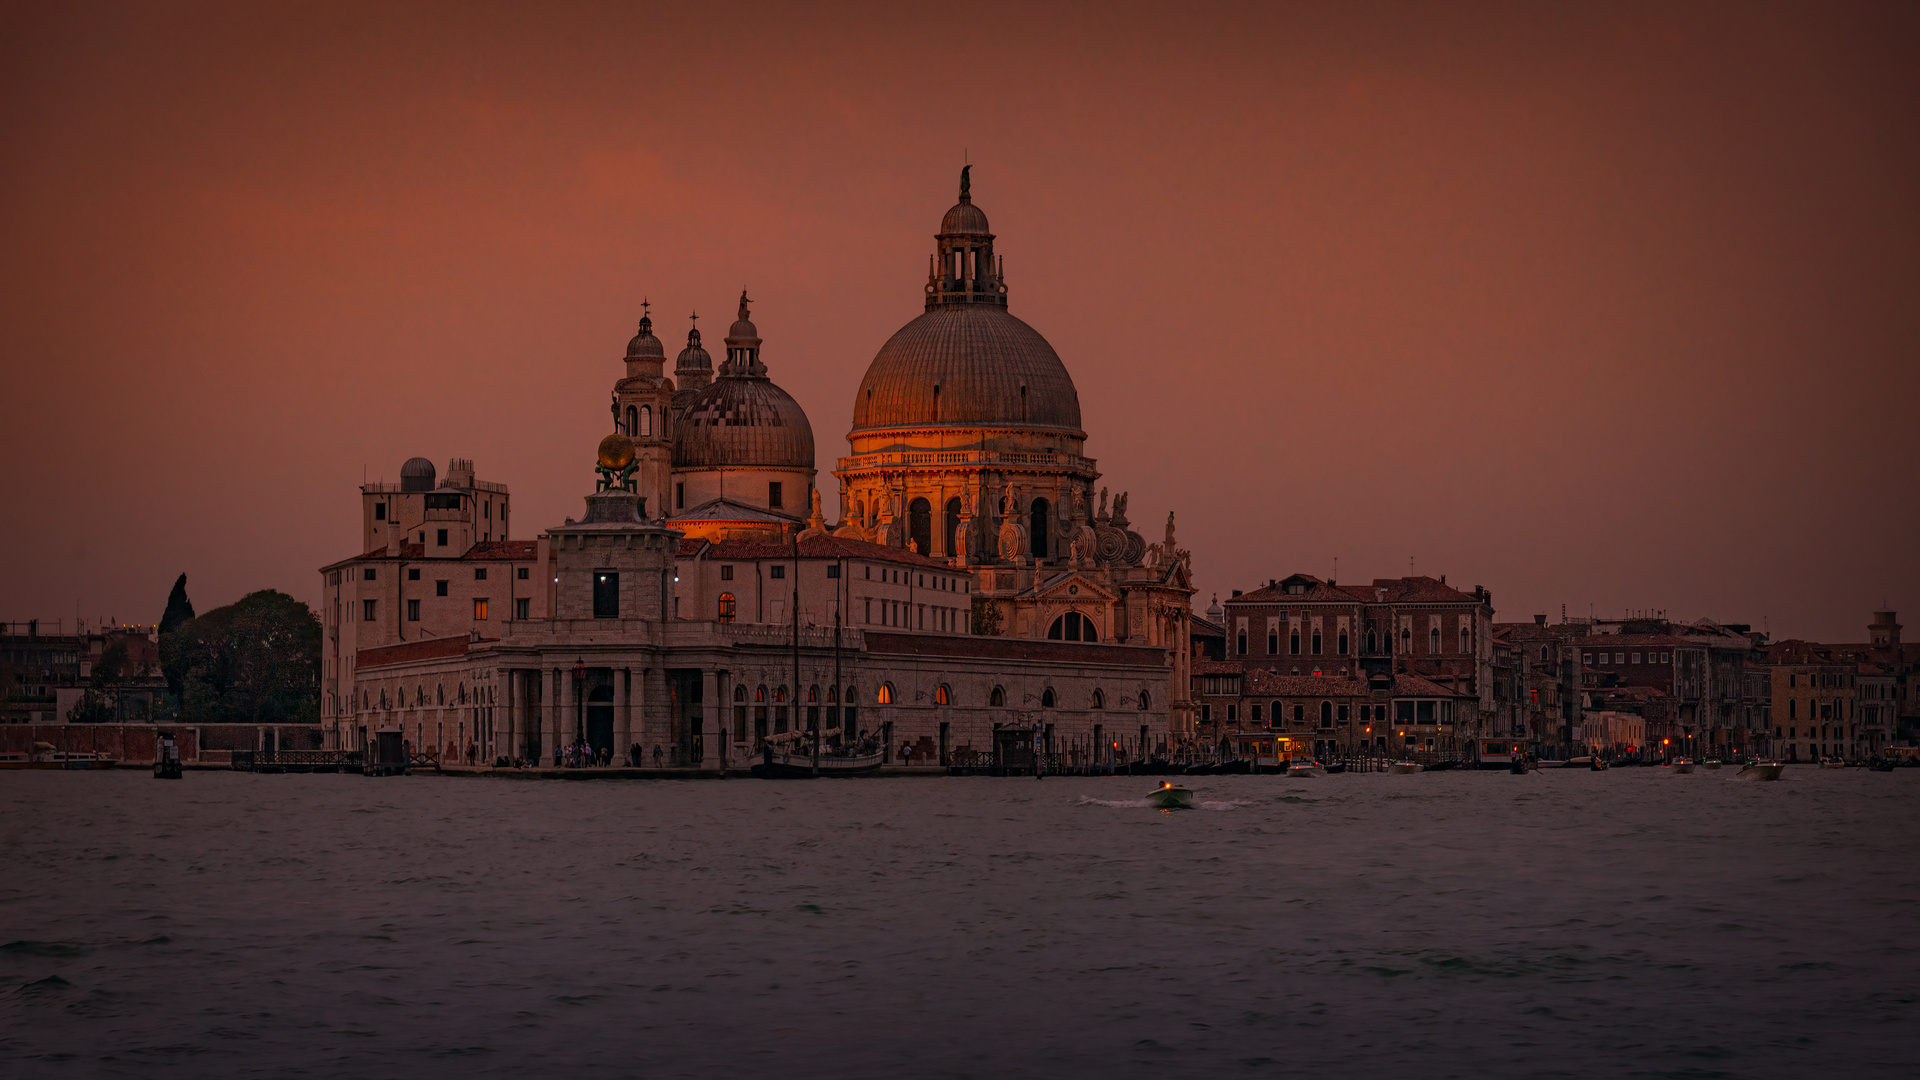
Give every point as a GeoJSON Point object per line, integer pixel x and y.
{"type": "Point", "coordinates": [616, 452]}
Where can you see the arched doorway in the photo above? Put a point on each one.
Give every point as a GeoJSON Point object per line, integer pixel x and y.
{"type": "Point", "coordinates": [953, 525]}
{"type": "Point", "coordinates": [600, 717]}
{"type": "Point", "coordinates": [1073, 626]}
{"type": "Point", "coordinates": [920, 525]}
{"type": "Point", "coordinates": [1038, 527]}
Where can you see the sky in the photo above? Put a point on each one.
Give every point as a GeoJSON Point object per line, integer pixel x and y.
{"type": "Point", "coordinates": [1610, 307]}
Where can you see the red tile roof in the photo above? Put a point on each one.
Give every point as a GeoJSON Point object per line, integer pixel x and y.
{"type": "Point", "coordinates": [1607, 641]}
{"type": "Point", "coordinates": [1265, 682]}
{"type": "Point", "coordinates": [409, 651]}
{"type": "Point", "coordinates": [504, 550]}
{"type": "Point", "coordinates": [1408, 590]}
{"type": "Point", "coordinates": [1217, 667]}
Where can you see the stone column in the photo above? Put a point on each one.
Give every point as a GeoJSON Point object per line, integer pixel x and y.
{"type": "Point", "coordinates": [709, 710]}
{"type": "Point", "coordinates": [625, 742]}
{"type": "Point", "coordinates": [549, 717]}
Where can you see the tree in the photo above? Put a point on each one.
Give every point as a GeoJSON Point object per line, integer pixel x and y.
{"type": "Point", "coordinates": [986, 617]}
{"type": "Point", "coordinates": [179, 610]}
{"type": "Point", "coordinates": [254, 661]}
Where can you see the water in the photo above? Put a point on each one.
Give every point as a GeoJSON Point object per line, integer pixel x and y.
{"type": "Point", "coordinates": [1559, 924]}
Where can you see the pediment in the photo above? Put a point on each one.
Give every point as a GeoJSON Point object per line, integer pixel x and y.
{"type": "Point", "coordinates": [1073, 588]}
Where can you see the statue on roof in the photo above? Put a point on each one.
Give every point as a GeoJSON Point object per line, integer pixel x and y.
{"type": "Point", "coordinates": [966, 184]}
{"type": "Point", "coordinates": [743, 304]}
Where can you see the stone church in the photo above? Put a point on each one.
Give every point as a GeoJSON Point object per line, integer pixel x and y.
{"type": "Point", "coordinates": [980, 583]}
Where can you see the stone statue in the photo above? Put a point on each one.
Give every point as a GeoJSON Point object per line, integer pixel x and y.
{"type": "Point", "coordinates": [1170, 544]}
{"type": "Point", "coordinates": [1079, 504]}
{"type": "Point", "coordinates": [1120, 509]}
{"type": "Point", "coordinates": [615, 395]}
{"type": "Point", "coordinates": [966, 183]}
{"type": "Point", "coordinates": [1103, 505]}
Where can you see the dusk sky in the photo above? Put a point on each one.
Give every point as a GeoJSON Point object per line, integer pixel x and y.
{"type": "Point", "coordinates": [1615, 307]}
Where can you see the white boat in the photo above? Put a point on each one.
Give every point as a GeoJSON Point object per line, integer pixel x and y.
{"type": "Point", "coordinates": [1761, 770]}
{"type": "Point", "coordinates": [1404, 767]}
{"type": "Point", "coordinates": [1712, 763]}
{"type": "Point", "coordinates": [1169, 797]}
{"type": "Point", "coordinates": [1833, 763]}
{"type": "Point", "coordinates": [1681, 765]}
{"type": "Point", "coordinates": [1304, 768]}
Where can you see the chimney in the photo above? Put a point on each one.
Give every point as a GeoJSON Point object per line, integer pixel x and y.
{"type": "Point", "coordinates": [1539, 620]}
{"type": "Point", "coordinates": [1236, 592]}
{"type": "Point", "coordinates": [393, 538]}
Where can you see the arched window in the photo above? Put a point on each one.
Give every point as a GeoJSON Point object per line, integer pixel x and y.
{"type": "Point", "coordinates": [1316, 643]}
{"type": "Point", "coordinates": [953, 525]}
{"type": "Point", "coordinates": [726, 607]}
{"type": "Point", "coordinates": [1039, 526]}
{"type": "Point", "coordinates": [920, 526]}
{"type": "Point", "coordinates": [886, 694]}
{"type": "Point", "coordinates": [1406, 640]}
{"type": "Point", "coordinates": [1046, 698]}
{"type": "Point", "coordinates": [1466, 641]}
{"type": "Point", "coordinates": [779, 693]}
{"type": "Point", "coordinates": [1278, 714]}
{"type": "Point", "coordinates": [1343, 643]}
{"type": "Point", "coordinates": [941, 696]}
{"type": "Point", "coordinates": [1543, 653]}
{"type": "Point", "coordinates": [1072, 626]}
{"type": "Point", "coordinates": [813, 694]}
{"type": "Point", "coordinates": [1373, 642]}
{"type": "Point", "coordinates": [1293, 641]}
{"type": "Point", "coordinates": [633, 422]}
{"type": "Point", "coordinates": [1433, 642]}
{"type": "Point", "coordinates": [646, 421]}
{"type": "Point", "coordinates": [1099, 701]}
{"type": "Point", "coordinates": [1146, 702]}
{"type": "Point", "coordinates": [997, 699]}
{"type": "Point", "coordinates": [1326, 714]}
{"type": "Point", "coordinates": [760, 693]}
{"type": "Point", "coordinates": [739, 693]}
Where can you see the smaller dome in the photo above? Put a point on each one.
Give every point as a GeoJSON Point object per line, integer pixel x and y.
{"type": "Point", "coordinates": [417, 475]}
{"type": "Point", "coordinates": [644, 344]}
{"type": "Point", "coordinates": [965, 219]}
{"type": "Point", "coordinates": [693, 357]}
{"type": "Point", "coordinates": [616, 451]}
{"type": "Point", "coordinates": [744, 421]}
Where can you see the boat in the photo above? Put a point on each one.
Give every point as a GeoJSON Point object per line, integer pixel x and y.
{"type": "Point", "coordinates": [1761, 770]}
{"type": "Point", "coordinates": [168, 765]}
{"type": "Point", "coordinates": [1404, 767]}
{"type": "Point", "coordinates": [1879, 765]}
{"type": "Point", "coordinates": [1833, 763]}
{"type": "Point", "coordinates": [1169, 797]}
{"type": "Point", "coordinates": [1597, 765]}
{"type": "Point", "coordinates": [44, 756]}
{"type": "Point", "coordinates": [1335, 767]}
{"type": "Point", "coordinates": [1498, 753]}
{"type": "Point", "coordinates": [1517, 767]}
{"type": "Point", "coordinates": [1712, 763]}
{"type": "Point", "coordinates": [1681, 765]}
{"type": "Point", "coordinates": [1304, 768]}
{"type": "Point", "coordinates": [776, 765]}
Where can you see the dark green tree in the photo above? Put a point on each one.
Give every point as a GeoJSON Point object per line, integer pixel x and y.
{"type": "Point", "coordinates": [254, 661]}
{"type": "Point", "coordinates": [179, 610]}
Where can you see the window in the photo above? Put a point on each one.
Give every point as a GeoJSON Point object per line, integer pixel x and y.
{"type": "Point", "coordinates": [1293, 641]}
{"type": "Point", "coordinates": [1666, 658]}
{"type": "Point", "coordinates": [413, 611]}
{"type": "Point", "coordinates": [1543, 654]}
{"type": "Point", "coordinates": [1343, 643]}
{"type": "Point", "coordinates": [646, 421]}
{"type": "Point", "coordinates": [441, 540]}
{"type": "Point", "coordinates": [941, 695]}
{"type": "Point", "coordinates": [521, 573]}
{"type": "Point", "coordinates": [777, 571]}
{"type": "Point", "coordinates": [726, 607]}
{"type": "Point", "coordinates": [1316, 643]}
{"type": "Point", "coordinates": [773, 494]}
{"type": "Point", "coordinates": [1433, 641]}
{"type": "Point", "coordinates": [523, 608]}
{"type": "Point", "coordinates": [1619, 658]}
{"type": "Point", "coordinates": [997, 699]}
{"type": "Point", "coordinates": [1326, 714]}
{"type": "Point", "coordinates": [1206, 711]}
{"type": "Point", "coordinates": [679, 496]}
{"type": "Point", "coordinates": [439, 588]}
{"type": "Point", "coordinates": [1343, 714]}
{"type": "Point", "coordinates": [1047, 698]}
{"type": "Point", "coordinates": [367, 574]}
{"type": "Point", "coordinates": [1273, 642]}
{"type": "Point", "coordinates": [1099, 701]}
{"type": "Point", "coordinates": [1233, 711]}
{"type": "Point", "coordinates": [379, 511]}
{"type": "Point", "coordinates": [885, 697]}
{"type": "Point", "coordinates": [869, 602]}
{"type": "Point", "coordinates": [1603, 658]}
{"type": "Point", "coordinates": [368, 607]}
{"type": "Point", "coordinates": [1636, 658]}
{"type": "Point", "coordinates": [726, 573]}
{"type": "Point", "coordinates": [1256, 711]}
{"type": "Point", "coordinates": [1277, 712]}
{"type": "Point", "coordinates": [606, 594]}
{"type": "Point", "coordinates": [1241, 643]}
{"type": "Point", "coordinates": [1074, 626]}
{"type": "Point", "coordinates": [480, 609]}
{"type": "Point", "coordinates": [833, 570]}
{"type": "Point", "coordinates": [1299, 714]}
{"type": "Point", "coordinates": [479, 573]}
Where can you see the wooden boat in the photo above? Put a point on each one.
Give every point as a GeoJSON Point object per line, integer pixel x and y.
{"type": "Point", "coordinates": [1681, 765]}
{"type": "Point", "coordinates": [1169, 797]}
{"type": "Point", "coordinates": [1597, 765]}
{"type": "Point", "coordinates": [775, 765]}
{"type": "Point", "coordinates": [1404, 767]}
{"type": "Point", "coordinates": [1877, 765]}
{"type": "Point", "coordinates": [1761, 770]}
{"type": "Point", "coordinates": [1335, 767]}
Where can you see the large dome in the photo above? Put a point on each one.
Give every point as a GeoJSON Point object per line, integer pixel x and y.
{"type": "Point", "coordinates": [744, 421]}
{"type": "Point", "coordinates": [991, 370]}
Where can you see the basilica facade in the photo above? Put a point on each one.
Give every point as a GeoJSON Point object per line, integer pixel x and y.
{"type": "Point", "coordinates": [980, 585]}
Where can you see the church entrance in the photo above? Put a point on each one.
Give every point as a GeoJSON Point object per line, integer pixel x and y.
{"type": "Point", "coordinates": [920, 526]}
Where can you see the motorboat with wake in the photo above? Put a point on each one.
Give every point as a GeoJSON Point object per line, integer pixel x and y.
{"type": "Point", "coordinates": [1761, 770]}
{"type": "Point", "coordinates": [1402, 768]}
{"type": "Point", "coordinates": [1681, 765]}
{"type": "Point", "coordinates": [1169, 796]}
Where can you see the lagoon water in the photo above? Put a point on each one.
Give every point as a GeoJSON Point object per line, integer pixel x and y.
{"type": "Point", "coordinates": [1557, 924]}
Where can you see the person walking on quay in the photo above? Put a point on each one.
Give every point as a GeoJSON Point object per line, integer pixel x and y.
{"type": "Point", "coordinates": [656, 755]}
{"type": "Point", "coordinates": [906, 753]}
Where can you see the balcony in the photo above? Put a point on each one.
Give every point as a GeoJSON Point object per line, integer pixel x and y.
{"type": "Point", "coordinates": [977, 459]}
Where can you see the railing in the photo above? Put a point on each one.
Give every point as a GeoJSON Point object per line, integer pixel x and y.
{"type": "Point", "coordinates": [984, 458]}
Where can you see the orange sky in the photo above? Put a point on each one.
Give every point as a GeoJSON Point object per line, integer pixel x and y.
{"type": "Point", "coordinates": [1611, 307]}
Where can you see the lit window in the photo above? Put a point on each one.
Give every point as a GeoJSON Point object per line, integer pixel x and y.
{"type": "Point", "coordinates": [885, 696]}
{"type": "Point", "coordinates": [479, 608]}
{"type": "Point", "coordinates": [726, 606]}
{"type": "Point", "coordinates": [941, 696]}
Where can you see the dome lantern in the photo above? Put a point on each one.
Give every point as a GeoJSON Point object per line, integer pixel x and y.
{"type": "Point", "coordinates": [963, 269]}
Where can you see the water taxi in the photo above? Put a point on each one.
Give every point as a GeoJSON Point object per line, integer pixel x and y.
{"type": "Point", "coordinates": [1265, 752]}
{"type": "Point", "coordinates": [1404, 767]}
{"type": "Point", "coordinates": [1761, 770]}
{"type": "Point", "coordinates": [1681, 765]}
{"type": "Point", "coordinates": [1169, 797]}
{"type": "Point", "coordinates": [44, 756]}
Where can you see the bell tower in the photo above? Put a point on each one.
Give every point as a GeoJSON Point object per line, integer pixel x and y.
{"type": "Point", "coordinates": [643, 412]}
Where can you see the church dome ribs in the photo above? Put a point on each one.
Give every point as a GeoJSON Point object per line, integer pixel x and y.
{"type": "Point", "coordinates": [967, 365]}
